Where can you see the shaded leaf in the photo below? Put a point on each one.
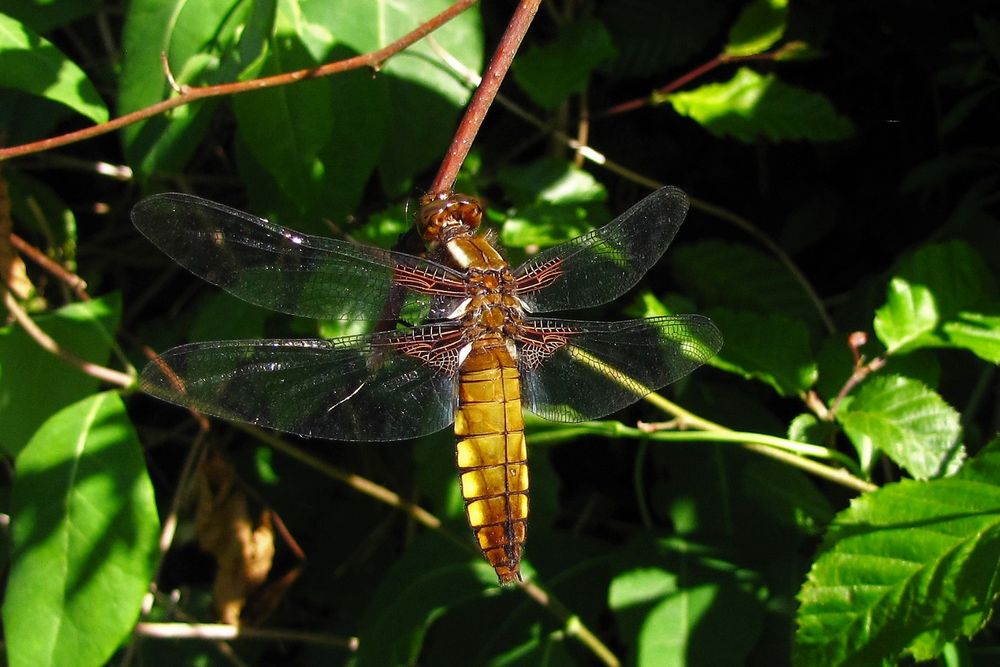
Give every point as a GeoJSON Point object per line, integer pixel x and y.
{"type": "Point", "coordinates": [750, 106]}
{"type": "Point", "coordinates": [906, 568]}
{"type": "Point", "coordinates": [662, 593]}
{"type": "Point", "coordinates": [907, 421]}
{"type": "Point", "coordinates": [737, 276]}
{"type": "Point", "coordinates": [552, 72]}
{"type": "Point", "coordinates": [787, 495]}
{"type": "Point", "coordinates": [31, 63]}
{"type": "Point", "coordinates": [85, 533]}
{"type": "Point", "coordinates": [431, 578]}
{"type": "Point", "coordinates": [651, 38]}
{"type": "Point", "coordinates": [551, 181]}
{"type": "Point", "coordinates": [86, 330]}
{"type": "Point", "coordinates": [759, 26]}
{"type": "Point", "coordinates": [770, 348]}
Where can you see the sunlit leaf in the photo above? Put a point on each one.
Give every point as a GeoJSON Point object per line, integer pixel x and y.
{"type": "Point", "coordinates": [85, 532]}
{"type": "Point", "coordinates": [35, 383]}
{"type": "Point", "coordinates": [909, 313]}
{"type": "Point", "coordinates": [770, 348]}
{"type": "Point", "coordinates": [750, 106]}
{"type": "Point", "coordinates": [759, 26]}
{"type": "Point", "coordinates": [551, 181]}
{"type": "Point", "coordinates": [31, 63]}
{"type": "Point", "coordinates": [552, 72]}
{"type": "Point", "coordinates": [906, 568]}
{"type": "Point", "coordinates": [977, 333]}
{"type": "Point", "coordinates": [908, 422]}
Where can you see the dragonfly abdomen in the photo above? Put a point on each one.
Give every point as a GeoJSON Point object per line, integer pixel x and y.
{"type": "Point", "coordinates": [491, 454]}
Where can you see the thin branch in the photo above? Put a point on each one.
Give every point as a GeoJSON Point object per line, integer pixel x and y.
{"type": "Point", "coordinates": [47, 343]}
{"type": "Point", "coordinates": [374, 60]}
{"type": "Point", "coordinates": [220, 631]}
{"type": "Point", "coordinates": [468, 128]}
{"type": "Point", "coordinates": [572, 624]}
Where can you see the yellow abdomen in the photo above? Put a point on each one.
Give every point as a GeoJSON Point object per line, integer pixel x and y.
{"type": "Point", "coordinates": [491, 454]}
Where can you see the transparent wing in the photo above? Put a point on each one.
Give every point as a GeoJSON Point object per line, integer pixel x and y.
{"type": "Point", "coordinates": [385, 386]}
{"type": "Point", "coordinates": [602, 265]}
{"type": "Point", "coordinates": [574, 371]}
{"type": "Point", "coordinates": [290, 272]}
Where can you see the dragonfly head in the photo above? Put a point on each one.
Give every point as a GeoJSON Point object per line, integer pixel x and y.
{"type": "Point", "coordinates": [445, 215]}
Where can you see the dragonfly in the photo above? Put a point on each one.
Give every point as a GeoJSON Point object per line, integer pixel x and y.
{"type": "Point", "coordinates": [460, 337]}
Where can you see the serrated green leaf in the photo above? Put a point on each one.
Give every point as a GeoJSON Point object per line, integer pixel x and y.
{"type": "Point", "coordinates": [750, 106]}
{"type": "Point", "coordinates": [909, 314]}
{"type": "Point", "coordinates": [907, 421]}
{"type": "Point", "coordinates": [35, 383]}
{"type": "Point", "coordinates": [431, 577]}
{"type": "Point", "coordinates": [208, 42]}
{"type": "Point", "coordinates": [31, 63]}
{"type": "Point", "coordinates": [759, 26]}
{"type": "Point", "coordinates": [85, 533]}
{"type": "Point", "coordinates": [552, 72]}
{"type": "Point", "coordinates": [737, 276]}
{"type": "Point", "coordinates": [662, 592]}
{"type": "Point", "coordinates": [770, 348]}
{"type": "Point", "coordinates": [905, 568]}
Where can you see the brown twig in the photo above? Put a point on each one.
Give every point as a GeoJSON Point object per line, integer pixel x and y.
{"type": "Point", "coordinates": [862, 369]}
{"type": "Point", "coordinates": [373, 59]}
{"type": "Point", "coordinates": [73, 281]}
{"type": "Point", "coordinates": [484, 95]}
{"type": "Point", "coordinates": [48, 344]}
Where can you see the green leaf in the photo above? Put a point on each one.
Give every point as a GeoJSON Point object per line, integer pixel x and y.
{"type": "Point", "coordinates": [906, 568]}
{"type": "Point", "coordinates": [85, 534]}
{"type": "Point", "coordinates": [551, 73]}
{"type": "Point", "coordinates": [424, 98]}
{"type": "Point", "coordinates": [770, 348]}
{"type": "Point", "coordinates": [737, 276]}
{"type": "Point", "coordinates": [44, 16]}
{"type": "Point", "coordinates": [35, 383]}
{"type": "Point", "coordinates": [208, 42]}
{"type": "Point", "coordinates": [909, 314]}
{"type": "Point", "coordinates": [943, 295]}
{"type": "Point", "coordinates": [663, 592]}
{"type": "Point", "coordinates": [222, 316]}
{"type": "Point", "coordinates": [31, 63]}
{"type": "Point", "coordinates": [908, 422]}
{"type": "Point", "coordinates": [551, 181]}
{"type": "Point", "coordinates": [431, 578]}
{"type": "Point", "coordinates": [759, 26]}
{"type": "Point", "coordinates": [750, 106]}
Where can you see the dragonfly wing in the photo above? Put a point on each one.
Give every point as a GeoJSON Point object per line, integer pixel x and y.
{"type": "Point", "coordinates": [294, 273]}
{"type": "Point", "coordinates": [385, 386]}
{"type": "Point", "coordinates": [573, 371]}
{"type": "Point", "coordinates": [601, 265]}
